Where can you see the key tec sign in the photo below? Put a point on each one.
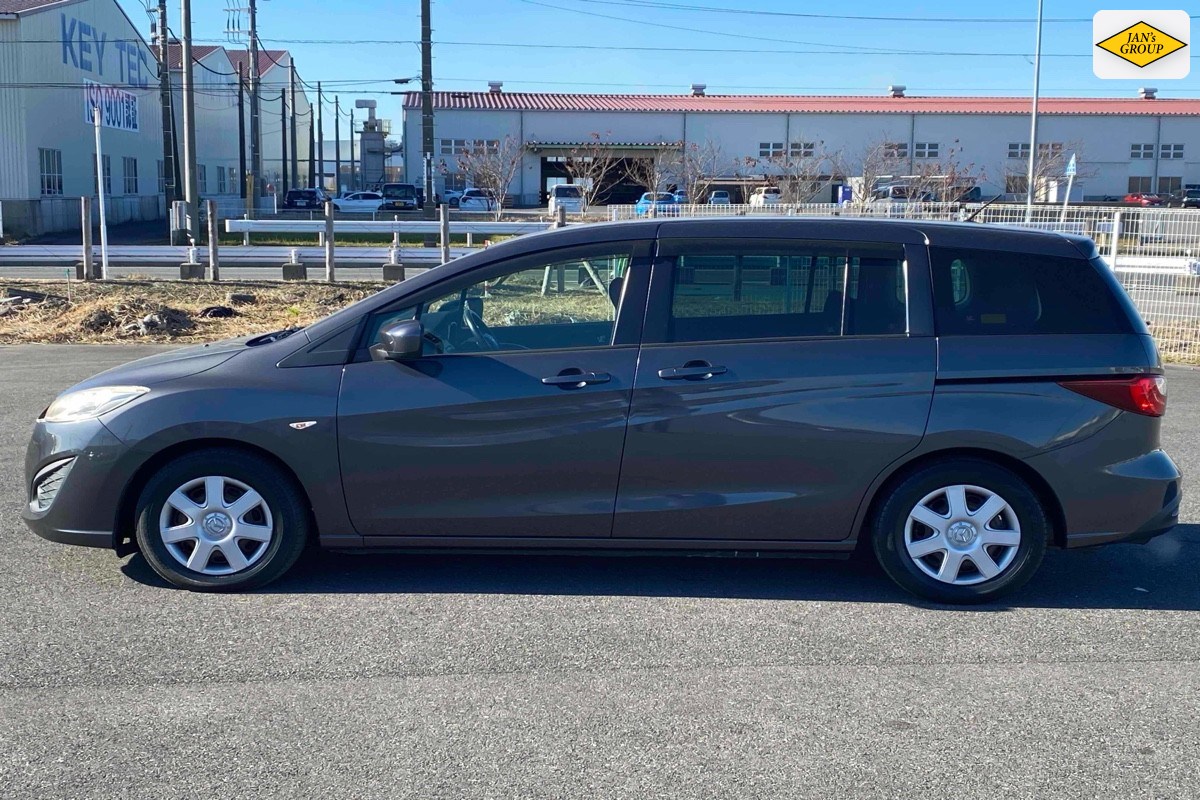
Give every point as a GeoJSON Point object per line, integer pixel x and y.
{"type": "Point", "coordinates": [90, 50]}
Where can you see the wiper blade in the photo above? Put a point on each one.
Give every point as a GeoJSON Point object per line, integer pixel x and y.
{"type": "Point", "coordinates": [274, 336]}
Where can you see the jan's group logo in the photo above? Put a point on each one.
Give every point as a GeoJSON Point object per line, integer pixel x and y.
{"type": "Point", "coordinates": [1141, 44]}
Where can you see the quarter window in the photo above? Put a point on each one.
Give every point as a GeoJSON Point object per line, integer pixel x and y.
{"type": "Point", "coordinates": [726, 291]}
{"type": "Point", "coordinates": [987, 292]}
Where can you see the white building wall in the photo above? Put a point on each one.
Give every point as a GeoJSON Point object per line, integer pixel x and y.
{"type": "Point", "coordinates": [1101, 143]}
{"type": "Point", "coordinates": [14, 175]}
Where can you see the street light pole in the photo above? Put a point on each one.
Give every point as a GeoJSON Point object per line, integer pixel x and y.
{"type": "Point", "coordinates": [427, 105]}
{"type": "Point", "coordinates": [190, 195]}
{"type": "Point", "coordinates": [1033, 123]}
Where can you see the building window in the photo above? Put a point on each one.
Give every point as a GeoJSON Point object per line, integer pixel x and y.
{"type": "Point", "coordinates": [485, 146]}
{"type": "Point", "coordinates": [802, 149]}
{"type": "Point", "coordinates": [456, 181]}
{"type": "Point", "coordinates": [129, 174]}
{"type": "Point", "coordinates": [107, 175]}
{"type": "Point", "coordinates": [454, 147]}
{"type": "Point", "coordinates": [1172, 151]}
{"type": "Point", "coordinates": [770, 149]}
{"type": "Point", "coordinates": [895, 150]}
{"type": "Point", "coordinates": [162, 177]}
{"type": "Point", "coordinates": [1018, 150]}
{"type": "Point", "coordinates": [202, 178]}
{"type": "Point", "coordinates": [50, 162]}
{"type": "Point", "coordinates": [1169, 185]}
{"type": "Point", "coordinates": [234, 187]}
{"type": "Point", "coordinates": [926, 150]}
{"type": "Point", "coordinates": [1017, 184]}
{"type": "Point", "coordinates": [221, 189]}
{"type": "Point", "coordinates": [1141, 151]}
{"type": "Point", "coordinates": [1139, 185]}
{"type": "Point", "coordinates": [1049, 149]}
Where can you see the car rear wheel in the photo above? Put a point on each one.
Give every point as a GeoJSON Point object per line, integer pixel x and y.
{"type": "Point", "coordinates": [220, 520]}
{"type": "Point", "coordinates": [961, 531]}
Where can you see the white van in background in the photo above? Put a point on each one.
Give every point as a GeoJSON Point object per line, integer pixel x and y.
{"type": "Point", "coordinates": [568, 196]}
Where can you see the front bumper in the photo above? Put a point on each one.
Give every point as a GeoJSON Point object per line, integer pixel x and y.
{"type": "Point", "coordinates": [83, 510]}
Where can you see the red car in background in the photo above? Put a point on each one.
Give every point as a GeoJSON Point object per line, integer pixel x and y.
{"type": "Point", "coordinates": [1143, 199]}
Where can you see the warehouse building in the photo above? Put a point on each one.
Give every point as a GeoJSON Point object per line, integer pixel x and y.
{"type": "Point", "coordinates": [1143, 143]}
{"type": "Point", "coordinates": [61, 58]}
{"type": "Point", "coordinates": [58, 60]}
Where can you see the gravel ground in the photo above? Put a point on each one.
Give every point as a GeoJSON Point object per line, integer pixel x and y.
{"type": "Point", "coordinates": [497, 677]}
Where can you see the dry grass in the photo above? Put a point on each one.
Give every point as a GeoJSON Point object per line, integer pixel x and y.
{"type": "Point", "coordinates": [109, 311]}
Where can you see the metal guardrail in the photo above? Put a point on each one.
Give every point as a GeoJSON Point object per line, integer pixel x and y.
{"type": "Point", "coordinates": [380, 226]}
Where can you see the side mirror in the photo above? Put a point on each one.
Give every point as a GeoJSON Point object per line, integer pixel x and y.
{"type": "Point", "coordinates": [401, 341]}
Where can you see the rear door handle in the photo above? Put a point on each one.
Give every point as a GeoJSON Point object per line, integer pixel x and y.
{"type": "Point", "coordinates": [691, 371]}
{"type": "Point", "coordinates": [573, 378]}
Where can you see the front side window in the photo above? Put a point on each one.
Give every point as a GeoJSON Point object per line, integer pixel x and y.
{"type": "Point", "coordinates": [729, 291]}
{"type": "Point", "coordinates": [568, 301]}
{"type": "Point", "coordinates": [988, 292]}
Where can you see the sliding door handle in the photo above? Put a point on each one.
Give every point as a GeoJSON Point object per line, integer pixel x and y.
{"type": "Point", "coordinates": [691, 371]}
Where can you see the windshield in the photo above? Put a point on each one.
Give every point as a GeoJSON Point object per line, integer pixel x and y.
{"type": "Point", "coordinates": [567, 191]}
{"type": "Point", "coordinates": [399, 191]}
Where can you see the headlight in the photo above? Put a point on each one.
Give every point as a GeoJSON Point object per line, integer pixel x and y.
{"type": "Point", "coordinates": [91, 403]}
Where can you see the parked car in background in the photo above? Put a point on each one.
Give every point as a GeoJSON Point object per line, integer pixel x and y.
{"type": "Point", "coordinates": [477, 200]}
{"type": "Point", "coordinates": [656, 204]}
{"type": "Point", "coordinates": [361, 202]}
{"type": "Point", "coordinates": [305, 198]}
{"type": "Point", "coordinates": [765, 196]}
{"type": "Point", "coordinates": [681, 198]}
{"type": "Point", "coordinates": [399, 197]}
{"type": "Point", "coordinates": [1187, 198]}
{"type": "Point", "coordinates": [451, 197]}
{"type": "Point", "coordinates": [567, 196]}
{"type": "Point", "coordinates": [719, 198]}
{"type": "Point", "coordinates": [1143, 199]}
{"type": "Point", "coordinates": [955, 398]}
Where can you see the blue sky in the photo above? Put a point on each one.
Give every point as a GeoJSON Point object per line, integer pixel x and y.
{"type": "Point", "coordinates": [673, 43]}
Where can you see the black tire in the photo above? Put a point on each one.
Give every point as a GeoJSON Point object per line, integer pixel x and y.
{"type": "Point", "coordinates": [289, 512]}
{"type": "Point", "coordinates": [888, 530]}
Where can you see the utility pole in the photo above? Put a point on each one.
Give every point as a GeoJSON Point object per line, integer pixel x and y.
{"type": "Point", "coordinates": [241, 131]}
{"type": "Point", "coordinates": [1033, 124]}
{"type": "Point", "coordinates": [190, 195]}
{"type": "Point", "coordinates": [312, 150]}
{"type": "Point", "coordinates": [353, 163]}
{"type": "Point", "coordinates": [164, 92]}
{"type": "Point", "coordinates": [320, 141]}
{"type": "Point", "coordinates": [295, 151]}
{"type": "Point", "coordinates": [427, 105]}
{"type": "Point", "coordinates": [255, 108]}
{"type": "Point", "coordinates": [337, 145]}
{"type": "Point", "coordinates": [283, 142]}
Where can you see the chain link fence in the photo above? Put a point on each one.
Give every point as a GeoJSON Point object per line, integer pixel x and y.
{"type": "Point", "coordinates": [1155, 252]}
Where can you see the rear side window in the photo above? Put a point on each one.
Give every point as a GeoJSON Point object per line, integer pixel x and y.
{"type": "Point", "coordinates": [988, 292]}
{"type": "Point", "coordinates": [725, 290]}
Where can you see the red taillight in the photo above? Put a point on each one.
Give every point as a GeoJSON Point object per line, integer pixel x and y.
{"type": "Point", "coordinates": [1145, 394]}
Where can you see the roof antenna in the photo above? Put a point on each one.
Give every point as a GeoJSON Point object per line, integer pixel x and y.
{"type": "Point", "coordinates": [975, 213]}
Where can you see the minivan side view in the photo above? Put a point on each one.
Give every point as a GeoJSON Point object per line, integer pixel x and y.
{"type": "Point", "coordinates": [954, 398]}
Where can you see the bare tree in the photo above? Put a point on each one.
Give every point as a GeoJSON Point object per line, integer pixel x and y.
{"type": "Point", "coordinates": [658, 170]}
{"type": "Point", "coordinates": [699, 165]}
{"type": "Point", "coordinates": [943, 179]}
{"type": "Point", "coordinates": [591, 165]}
{"type": "Point", "coordinates": [492, 165]}
{"type": "Point", "coordinates": [880, 159]}
{"type": "Point", "coordinates": [802, 172]}
{"type": "Point", "coordinates": [1050, 165]}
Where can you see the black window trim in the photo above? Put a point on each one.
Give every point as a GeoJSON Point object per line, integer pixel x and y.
{"type": "Point", "coordinates": [918, 302]}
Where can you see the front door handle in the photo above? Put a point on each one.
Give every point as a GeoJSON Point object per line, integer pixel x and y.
{"type": "Point", "coordinates": [691, 371]}
{"type": "Point", "coordinates": [574, 378]}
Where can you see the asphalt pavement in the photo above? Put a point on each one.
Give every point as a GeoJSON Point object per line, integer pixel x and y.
{"type": "Point", "coordinates": [553, 677]}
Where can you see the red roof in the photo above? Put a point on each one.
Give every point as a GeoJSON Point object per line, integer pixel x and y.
{"type": "Point", "coordinates": [17, 6]}
{"type": "Point", "coordinates": [266, 59]}
{"type": "Point", "coordinates": [175, 53]}
{"type": "Point", "coordinates": [799, 104]}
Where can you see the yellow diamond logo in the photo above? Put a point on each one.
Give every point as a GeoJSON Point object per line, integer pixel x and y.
{"type": "Point", "coordinates": [1141, 44]}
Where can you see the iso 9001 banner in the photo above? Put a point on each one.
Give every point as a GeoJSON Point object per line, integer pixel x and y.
{"type": "Point", "coordinates": [118, 108]}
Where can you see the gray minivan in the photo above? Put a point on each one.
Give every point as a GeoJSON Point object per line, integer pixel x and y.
{"type": "Point", "coordinates": [955, 398]}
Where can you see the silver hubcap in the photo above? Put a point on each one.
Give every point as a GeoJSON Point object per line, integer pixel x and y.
{"type": "Point", "coordinates": [962, 535]}
{"type": "Point", "coordinates": [216, 525]}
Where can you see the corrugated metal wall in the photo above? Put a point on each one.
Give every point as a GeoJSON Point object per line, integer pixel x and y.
{"type": "Point", "coordinates": [14, 171]}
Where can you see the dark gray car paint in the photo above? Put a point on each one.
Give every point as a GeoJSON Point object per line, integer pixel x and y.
{"type": "Point", "coordinates": [236, 393]}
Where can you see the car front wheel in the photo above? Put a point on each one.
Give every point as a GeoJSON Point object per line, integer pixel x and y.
{"type": "Point", "coordinates": [220, 520]}
{"type": "Point", "coordinates": [961, 531]}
